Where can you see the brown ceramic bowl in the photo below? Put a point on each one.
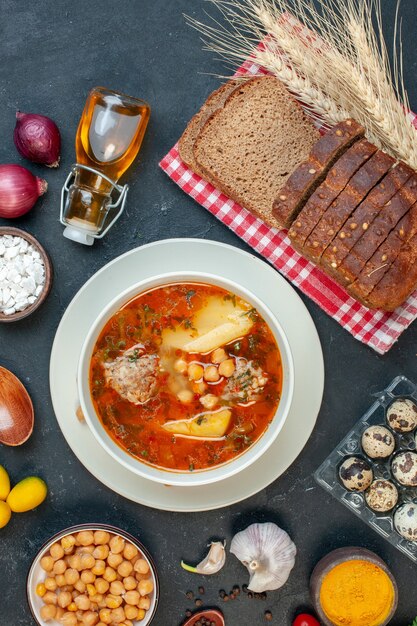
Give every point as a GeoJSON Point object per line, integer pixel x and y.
{"type": "Point", "coordinates": [341, 555]}
{"type": "Point", "coordinates": [19, 315]}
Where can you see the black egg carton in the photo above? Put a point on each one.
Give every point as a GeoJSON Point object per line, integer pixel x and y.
{"type": "Point", "coordinates": [327, 474]}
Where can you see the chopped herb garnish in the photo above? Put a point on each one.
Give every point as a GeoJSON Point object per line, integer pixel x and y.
{"type": "Point", "coordinates": [230, 296]}
{"type": "Point", "coordinates": [148, 312]}
{"type": "Point", "coordinates": [185, 321]}
{"type": "Point", "coordinates": [191, 467]}
{"type": "Point", "coordinates": [144, 453]}
{"type": "Point", "coordinates": [237, 346]}
{"type": "Point", "coordinates": [134, 356]}
{"type": "Point", "coordinates": [130, 331]}
{"type": "Point", "coordinates": [113, 346]}
{"type": "Point", "coordinates": [190, 293]}
{"type": "Point", "coordinates": [253, 342]}
{"type": "Point", "coordinates": [252, 313]}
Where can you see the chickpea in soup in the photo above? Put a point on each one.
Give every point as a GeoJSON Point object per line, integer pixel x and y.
{"type": "Point", "coordinates": [186, 376]}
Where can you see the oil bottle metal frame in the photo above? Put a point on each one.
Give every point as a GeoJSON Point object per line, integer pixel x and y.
{"type": "Point", "coordinates": [119, 202]}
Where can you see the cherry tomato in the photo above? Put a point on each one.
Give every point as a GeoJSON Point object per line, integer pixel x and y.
{"type": "Point", "coordinates": [305, 620]}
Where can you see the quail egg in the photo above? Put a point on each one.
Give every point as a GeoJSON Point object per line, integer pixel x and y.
{"type": "Point", "coordinates": [355, 474]}
{"type": "Point", "coordinates": [402, 415]}
{"type": "Point", "coordinates": [381, 496]}
{"type": "Point", "coordinates": [404, 468]}
{"type": "Point", "coordinates": [378, 442]}
{"type": "Point", "coordinates": [405, 521]}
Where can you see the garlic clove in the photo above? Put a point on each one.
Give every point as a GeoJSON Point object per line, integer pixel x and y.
{"type": "Point", "coordinates": [268, 554]}
{"type": "Point", "coordinates": [212, 563]}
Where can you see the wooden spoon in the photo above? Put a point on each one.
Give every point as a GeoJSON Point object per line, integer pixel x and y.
{"type": "Point", "coordinates": [212, 615]}
{"type": "Point", "coordinates": [16, 410]}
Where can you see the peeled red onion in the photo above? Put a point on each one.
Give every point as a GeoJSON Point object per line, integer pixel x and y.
{"type": "Point", "coordinates": [19, 190]}
{"type": "Point", "coordinates": [37, 138]}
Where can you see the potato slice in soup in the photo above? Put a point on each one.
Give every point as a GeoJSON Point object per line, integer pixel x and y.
{"type": "Point", "coordinates": [203, 425]}
{"type": "Point", "coordinates": [238, 325]}
{"type": "Point", "coordinates": [215, 312]}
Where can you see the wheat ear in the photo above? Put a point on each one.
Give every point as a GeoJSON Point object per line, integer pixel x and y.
{"type": "Point", "coordinates": [336, 68]}
{"type": "Point", "coordinates": [347, 74]}
{"type": "Point", "coordinates": [234, 50]}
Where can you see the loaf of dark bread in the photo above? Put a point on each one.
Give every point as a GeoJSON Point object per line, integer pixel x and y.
{"type": "Point", "coordinates": [194, 126]}
{"type": "Point", "coordinates": [348, 207]}
{"type": "Point", "coordinates": [251, 145]}
{"type": "Point", "coordinates": [381, 261]}
{"type": "Point", "coordinates": [340, 210]}
{"type": "Point", "coordinates": [399, 281]}
{"type": "Point", "coordinates": [363, 216]}
{"type": "Point", "coordinates": [334, 184]}
{"type": "Point", "coordinates": [362, 228]}
{"type": "Point", "coordinates": [310, 174]}
{"type": "Point", "coordinates": [353, 264]}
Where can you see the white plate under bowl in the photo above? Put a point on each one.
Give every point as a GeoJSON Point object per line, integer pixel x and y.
{"type": "Point", "coordinates": [182, 255]}
{"type": "Point", "coordinates": [198, 477]}
{"type": "Point", "coordinates": [37, 575]}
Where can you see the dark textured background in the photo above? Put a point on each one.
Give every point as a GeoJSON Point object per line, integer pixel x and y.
{"type": "Point", "coordinates": [51, 54]}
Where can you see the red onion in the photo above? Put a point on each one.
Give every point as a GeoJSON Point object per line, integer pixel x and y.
{"type": "Point", "coordinates": [19, 190]}
{"type": "Point", "coordinates": [37, 138]}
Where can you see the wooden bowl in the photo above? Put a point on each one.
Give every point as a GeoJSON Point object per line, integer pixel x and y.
{"type": "Point", "coordinates": [19, 315]}
{"type": "Point", "coordinates": [16, 410]}
{"type": "Point", "coordinates": [341, 555]}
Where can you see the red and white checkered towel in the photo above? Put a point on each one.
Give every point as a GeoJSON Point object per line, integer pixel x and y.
{"type": "Point", "coordinates": [376, 329]}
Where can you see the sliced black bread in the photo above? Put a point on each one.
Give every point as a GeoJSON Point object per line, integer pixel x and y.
{"type": "Point", "coordinates": [353, 264]}
{"type": "Point", "coordinates": [187, 139]}
{"type": "Point", "coordinates": [253, 143]}
{"type": "Point", "coordinates": [340, 210]}
{"type": "Point", "coordinates": [310, 174]}
{"type": "Point", "coordinates": [334, 184]}
{"type": "Point", "coordinates": [399, 281]}
{"type": "Point", "coordinates": [381, 261]}
{"type": "Point", "coordinates": [363, 216]}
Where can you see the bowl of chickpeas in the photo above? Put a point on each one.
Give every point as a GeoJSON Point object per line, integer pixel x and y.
{"type": "Point", "coordinates": [93, 576]}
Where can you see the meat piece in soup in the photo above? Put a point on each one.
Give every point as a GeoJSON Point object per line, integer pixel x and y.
{"type": "Point", "coordinates": [246, 383]}
{"type": "Point", "coordinates": [133, 375]}
{"type": "Point", "coordinates": [186, 376]}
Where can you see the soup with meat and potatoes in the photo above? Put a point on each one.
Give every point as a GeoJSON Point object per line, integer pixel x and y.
{"type": "Point", "coordinates": [186, 376]}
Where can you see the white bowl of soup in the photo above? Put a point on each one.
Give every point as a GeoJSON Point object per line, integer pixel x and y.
{"type": "Point", "coordinates": [186, 378]}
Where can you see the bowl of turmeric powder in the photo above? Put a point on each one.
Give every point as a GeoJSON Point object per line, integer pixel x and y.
{"type": "Point", "coordinates": [353, 587]}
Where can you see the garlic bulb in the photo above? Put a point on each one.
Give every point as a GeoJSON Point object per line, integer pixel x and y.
{"type": "Point", "coordinates": [213, 562]}
{"type": "Point", "coordinates": [268, 553]}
